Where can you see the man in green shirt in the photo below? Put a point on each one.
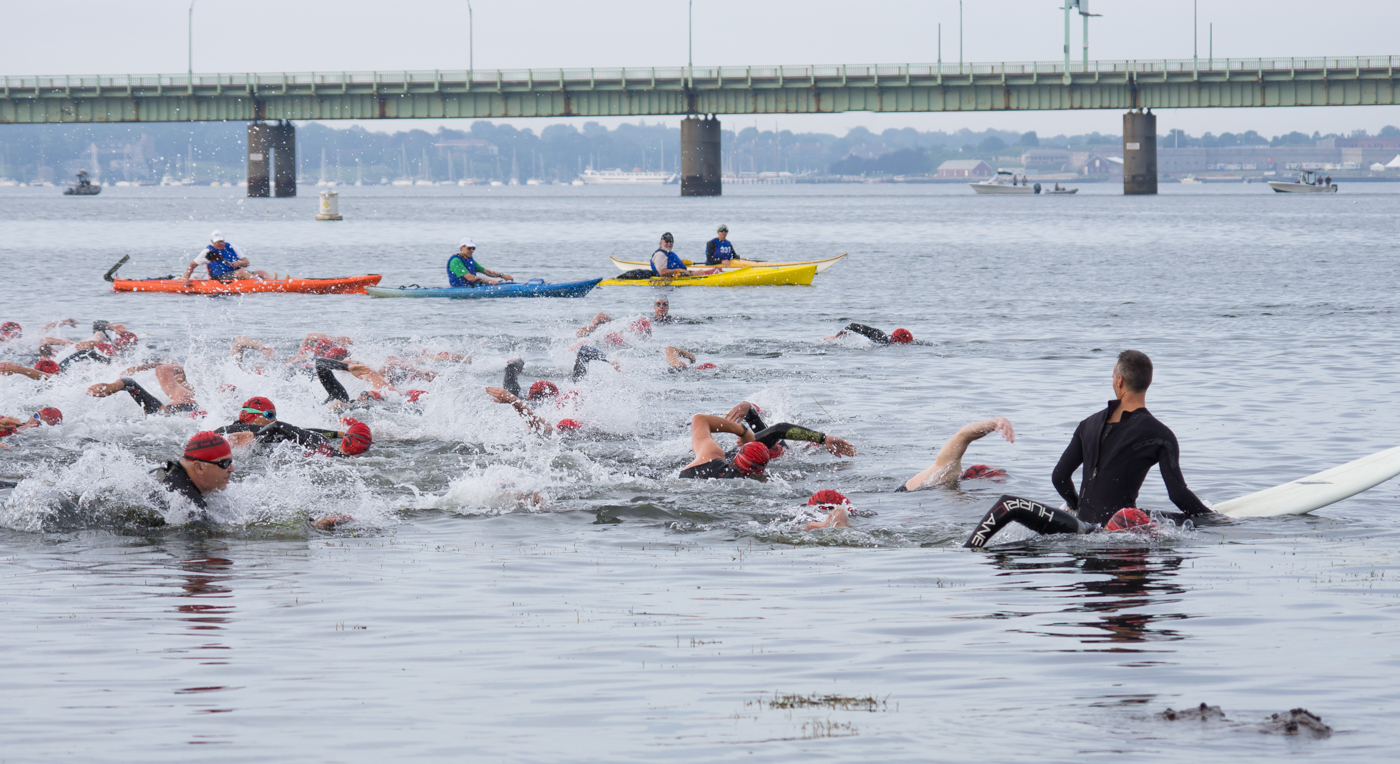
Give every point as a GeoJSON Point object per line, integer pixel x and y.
{"type": "Point", "coordinates": [463, 269]}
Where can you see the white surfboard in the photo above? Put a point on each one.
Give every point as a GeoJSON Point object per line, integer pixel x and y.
{"type": "Point", "coordinates": [1316, 491]}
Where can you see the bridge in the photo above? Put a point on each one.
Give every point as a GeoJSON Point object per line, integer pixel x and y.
{"type": "Point", "coordinates": [1134, 86]}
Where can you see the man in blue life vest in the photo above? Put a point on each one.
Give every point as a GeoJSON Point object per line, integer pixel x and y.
{"type": "Point", "coordinates": [224, 263]}
{"type": "Point", "coordinates": [719, 250]}
{"type": "Point", "coordinates": [464, 271]}
{"type": "Point", "coordinates": [664, 262]}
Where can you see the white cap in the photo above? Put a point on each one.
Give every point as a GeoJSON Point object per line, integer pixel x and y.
{"type": "Point", "coordinates": [216, 236]}
{"type": "Point", "coordinates": [467, 242]}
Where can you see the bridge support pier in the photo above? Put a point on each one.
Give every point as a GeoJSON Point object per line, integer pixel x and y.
{"type": "Point", "coordinates": [259, 146]}
{"type": "Point", "coordinates": [1139, 153]}
{"type": "Point", "coordinates": [701, 170]}
{"type": "Point", "coordinates": [284, 148]}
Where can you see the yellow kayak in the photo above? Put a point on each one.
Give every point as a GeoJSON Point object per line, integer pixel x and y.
{"type": "Point", "coordinates": [627, 265]}
{"type": "Point", "coordinates": [799, 274]}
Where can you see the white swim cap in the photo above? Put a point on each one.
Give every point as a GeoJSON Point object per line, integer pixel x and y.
{"type": "Point", "coordinates": [216, 236]}
{"type": "Point", "coordinates": [467, 242]}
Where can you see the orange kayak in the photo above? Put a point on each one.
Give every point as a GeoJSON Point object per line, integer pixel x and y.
{"type": "Point", "coordinates": [345, 285]}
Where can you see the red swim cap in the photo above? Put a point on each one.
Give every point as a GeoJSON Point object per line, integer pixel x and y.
{"type": "Point", "coordinates": [827, 496]}
{"type": "Point", "coordinates": [642, 326]}
{"type": "Point", "coordinates": [375, 394]}
{"type": "Point", "coordinates": [357, 439]}
{"type": "Point", "coordinates": [543, 389]}
{"type": "Point", "coordinates": [256, 402]}
{"type": "Point", "coordinates": [207, 446]}
{"type": "Point", "coordinates": [414, 395]}
{"type": "Point", "coordinates": [569, 424]}
{"type": "Point", "coordinates": [335, 353]}
{"type": "Point", "coordinates": [776, 450]}
{"type": "Point", "coordinates": [752, 458]}
{"type": "Point", "coordinates": [981, 471]}
{"type": "Point", "coordinates": [320, 346]}
{"type": "Point", "coordinates": [706, 365]}
{"type": "Point", "coordinates": [10, 329]}
{"type": "Point", "coordinates": [1130, 518]}
{"type": "Point", "coordinates": [901, 336]}
{"type": "Point", "coordinates": [50, 416]}
{"type": "Point", "coordinates": [125, 340]}
{"type": "Point", "coordinates": [614, 338]}
{"type": "Point", "coordinates": [48, 367]}
{"type": "Point", "coordinates": [105, 348]}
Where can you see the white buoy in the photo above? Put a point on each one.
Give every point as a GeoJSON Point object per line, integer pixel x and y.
{"type": "Point", "coordinates": [330, 206]}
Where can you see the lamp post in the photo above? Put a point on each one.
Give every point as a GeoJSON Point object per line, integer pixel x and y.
{"type": "Point", "coordinates": [471, 39]}
{"type": "Point", "coordinates": [960, 38]}
{"type": "Point", "coordinates": [190, 71]}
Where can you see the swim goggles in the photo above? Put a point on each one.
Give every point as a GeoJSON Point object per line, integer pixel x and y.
{"type": "Point", "coordinates": [222, 464]}
{"type": "Point", "coordinates": [268, 414]}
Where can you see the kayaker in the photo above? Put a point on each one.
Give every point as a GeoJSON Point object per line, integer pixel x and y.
{"type": "Point", "coordinates": [464, 271]}
{"type": "Point", "coordinates": [719, 250]}
{"type": "Point", "coordinates": [755, 448]}
{"type": "Point", "coordinates": [10, 425]}
{"type": "Point", "coordinates": [172, 381]}
{"type": "Point", "coordinates": [664, 262]}
{"type": "Point", "coordinates": [223, 263]}
{"type": "Point", "coordinates": [898, 336]}
{"type": "Point", "coordinates": [947, 470]}
{"type": "Point", "coordinates": [1116, 446]}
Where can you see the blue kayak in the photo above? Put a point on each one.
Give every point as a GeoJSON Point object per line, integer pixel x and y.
{"type": "Point", "coordinates": [531, 288]}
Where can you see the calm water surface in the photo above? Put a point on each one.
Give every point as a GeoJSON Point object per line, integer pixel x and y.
{"type": "Point", "coordinates": [637, 617]}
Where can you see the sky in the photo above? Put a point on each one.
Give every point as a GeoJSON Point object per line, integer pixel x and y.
{"type": "Point", "coordinates": [149, 36]}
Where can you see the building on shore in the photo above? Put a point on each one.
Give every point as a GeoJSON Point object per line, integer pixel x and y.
{"type": "Point", "coordinates": [965, 168]}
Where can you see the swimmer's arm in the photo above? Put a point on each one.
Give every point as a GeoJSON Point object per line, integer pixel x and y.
{"type": "Point", "coordinates": [1063, 475]}
{"type": "Point", "coordinates": [502, 395]}
{"type": "Point", "coordinates": [948, 464]}
{"type": "Point", "coordinates": [674, 355]}
{"type": "Point", "coordinates": [65, 322]}
{"type": "Point", "coordinates": [784, 431]}
{"type": "Point", "coordinates": [14, 368]}
{"type": "Point", "coordinates": [365, 373]}
{"type": "Point", "coordinates": [1169, 464]}
{"type": "Point", "coordinates": [241, 344]}
{"type": "Point", "coordinates": [144, 367]}
{"type": "Point", "coordinates": [838, 517]}
{"type": "Point", "coordinates": [598, 320]}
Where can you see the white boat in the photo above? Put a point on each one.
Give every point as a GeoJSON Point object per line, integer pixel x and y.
{"type": "Point", "coordinates": [1308, 183]}
{"type": "Point", "coordinates": [599, 177]}
{"type": "Point", "coordinates": [1003, 183]}
{"type": "Point", "coordinates": [1191, 179]}
{"type": "Point", "coordinates": [1058, 190]}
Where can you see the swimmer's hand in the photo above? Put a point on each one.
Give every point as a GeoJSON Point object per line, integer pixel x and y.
{"type": "Point", "coordinates": [738, 413]}
{"type": "Point", "coordinates": [102, 390]}
{"type": "Point", "coordinates": [501, 395]}
{"type": "Point", "coordinates": [1002, 425]}
{"type": "Point", "coordinates": [330, 521]}
{"type": "Point", "coordinates": [240, 439]}
{"type": "Point", "coordinates": [839, 446]}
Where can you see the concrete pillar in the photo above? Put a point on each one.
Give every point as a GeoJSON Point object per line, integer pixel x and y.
{"type": "Point", "coordinates": [259, 144]}
{"type": "Point", "coordinates": [1139, 153]}
{"type": "Point", "coordinates": [284, 148]}
{"type": "Point", "coordinates": [701, 171]}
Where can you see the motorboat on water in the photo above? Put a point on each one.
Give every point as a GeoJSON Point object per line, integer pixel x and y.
{"type": "Point", "coordinates": [636, 177]}
{"type": "Point", "coordinates": [1058, 190]}
{"type": "Point", "coordinates": [1004, 183]}
{"type": "Point", "coordinates": [1191, 180]}
{"type": "Point", "coordinates": [84, 186]}
{"type": "Point", "coordinates": [1309, 182]}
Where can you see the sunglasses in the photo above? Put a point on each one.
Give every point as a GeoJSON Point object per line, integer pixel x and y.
{"type": "Point", "coordinates": [222, 464]}
{"type": "Point", "coordinates": [268, 414]}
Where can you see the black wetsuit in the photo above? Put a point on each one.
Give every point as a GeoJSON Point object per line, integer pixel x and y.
{"type": "Point", "coordinates": [768, 436]}
{"type": "Point", "coordinates": [151, 404]}
{"type": "Point", "coordinates": [512, 380]}
{"type": "Point", "coordinates": [585, 354]}
{"type": "Point", "coordinates": [175, 480]}
{"type": "Point", "coordinates": [281, 432]}
{"type": "Point", "coordinates": [1116, 458]}
{"type": "Point", "coordinates": [875, 335]}
{"type": "Point", "coordinates": [91, 354]}
{"type": "Point", "coordinates": [238, 427]}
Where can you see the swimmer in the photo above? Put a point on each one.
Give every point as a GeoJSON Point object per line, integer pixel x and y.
{"type": "Point", "coordinates": [897, 337]}
{"type": "Point", "coordinates": [354, 440]}
{"type": "Point", "coordinates": [674, 356]}
{"type": "Point", "coordinates": [755, 448]}
{"type": "Point", "coordinates": [533, 420]}
{"type": "Point", "coordinates": [639, 327]}
{"type": "Point", "coordinates": [171, 377]}
{"type": "Point", "coordinates": [947, 469]}
{"type": "Point", "coordinates": [836, 506]}
{"type": "Point", "coordinates": [256, 413]}
{"type": "Point", "coordinates": [203, 468]}
{"type": "Point", "coordinates": [1117, 446]}
{"type": "Point", "coordinates": [11, 425]}
{"type": "Point", "coordinates": [335, 392]}
{"type": "Point", "coordinates": [661, 311]}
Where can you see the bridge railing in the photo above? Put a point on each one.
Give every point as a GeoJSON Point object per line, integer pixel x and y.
{"type": "Point", "coordinates": [673, 77]}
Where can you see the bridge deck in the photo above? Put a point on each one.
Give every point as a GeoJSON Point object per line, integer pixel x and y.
{"type": "Point", "coordinates": [719, 90]}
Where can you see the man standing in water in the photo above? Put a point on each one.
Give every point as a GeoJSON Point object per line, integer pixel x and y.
{"type": "Point", "coordinates": [1116, 446]}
